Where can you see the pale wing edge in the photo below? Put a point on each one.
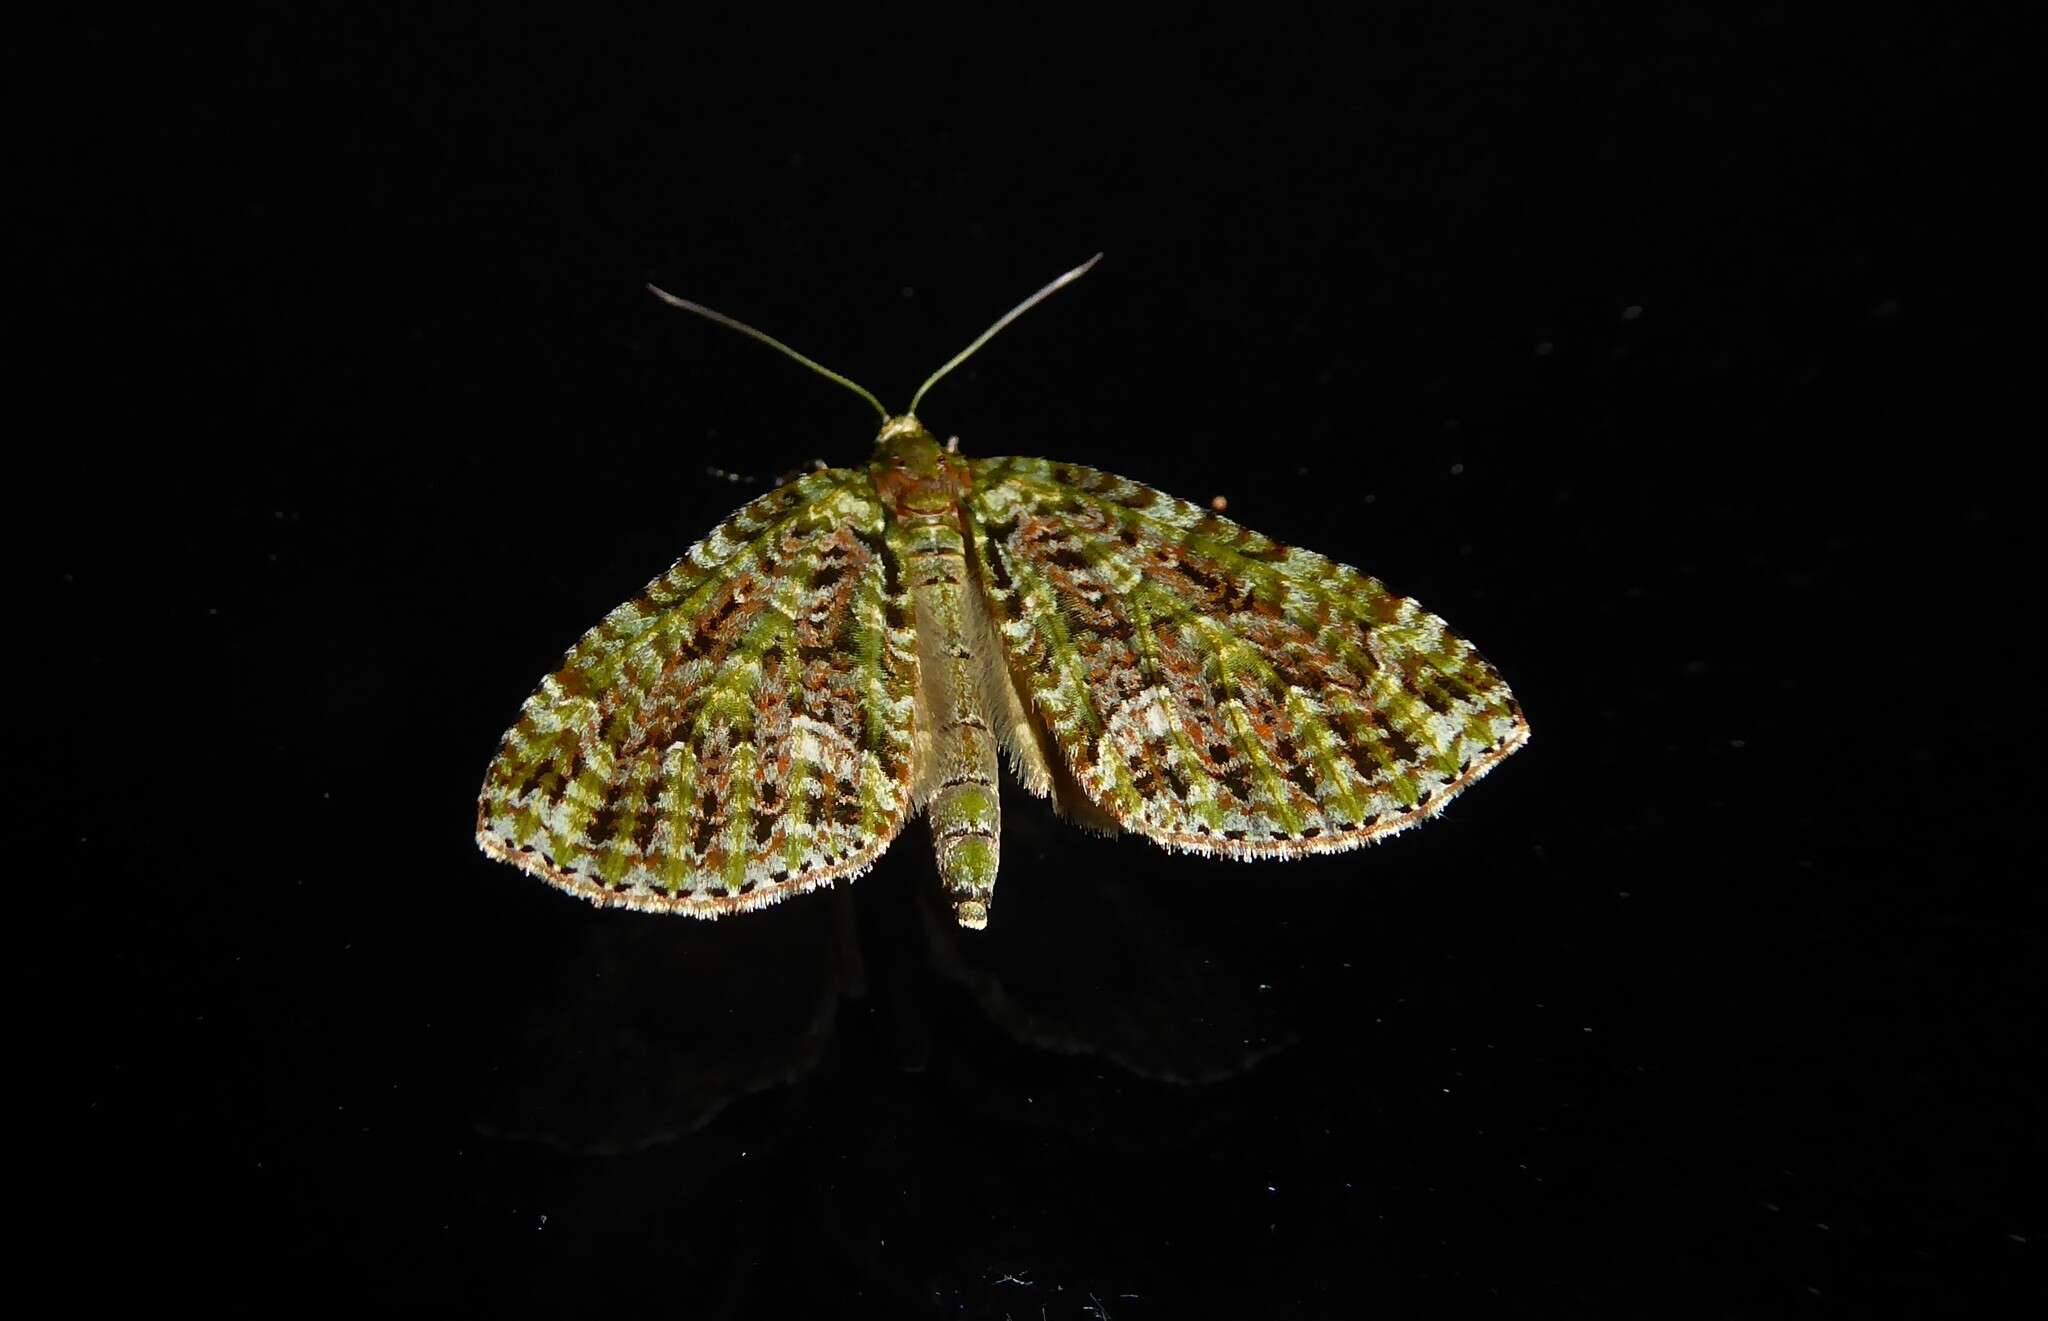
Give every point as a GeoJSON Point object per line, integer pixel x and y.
{"type": "Point", "coordinates": [1248, 850]}
{"type": "Point", "coordinates": [534, 863]}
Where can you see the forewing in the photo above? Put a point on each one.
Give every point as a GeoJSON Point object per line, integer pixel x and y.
{"type": "Point", "coordinates": [1219, 692]}
{"type": "Point", "coordinates": [739, 732]}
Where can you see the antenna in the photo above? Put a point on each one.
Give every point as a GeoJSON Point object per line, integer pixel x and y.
{"type": "Point", "coordinates": [963, 355]}
{"type": "Point", "coordinates": [826, 372]}
{"type": "Point", "coordinates": [986, 335]}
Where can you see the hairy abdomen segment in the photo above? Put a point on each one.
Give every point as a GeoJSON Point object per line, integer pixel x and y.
{"type": "Point", "coordinates": [961, 786]}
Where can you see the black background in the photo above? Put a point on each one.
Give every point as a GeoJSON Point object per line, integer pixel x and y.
{"type": "Point", "coordinates": [1671, 353]}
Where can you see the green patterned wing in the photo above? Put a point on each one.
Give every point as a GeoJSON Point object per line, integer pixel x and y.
{"type": "Point", "coordinates": [1219, 692]}
{"type": "Point", "coordinates": [739, 732]}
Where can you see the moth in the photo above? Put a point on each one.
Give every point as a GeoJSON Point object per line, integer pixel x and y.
{"type": "Point", "coordinates": [854, 647]}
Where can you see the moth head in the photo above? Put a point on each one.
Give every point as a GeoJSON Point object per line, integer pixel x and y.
{"type": "Point", "coordinates": [903, 445]}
